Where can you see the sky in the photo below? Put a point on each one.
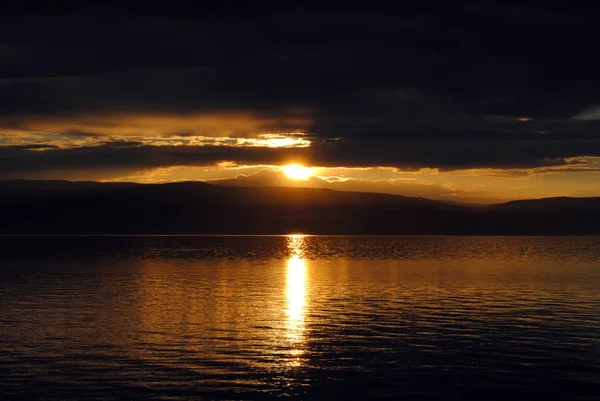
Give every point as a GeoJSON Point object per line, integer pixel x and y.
{"type": "Point", "coordinates": [481, 101]}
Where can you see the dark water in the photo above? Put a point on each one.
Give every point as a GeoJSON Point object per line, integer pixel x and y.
{"type": "Point", "coordinates": [301, 317]}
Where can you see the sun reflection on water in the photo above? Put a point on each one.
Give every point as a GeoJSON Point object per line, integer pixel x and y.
{"type": "Point", "coordinates": [296, 296]}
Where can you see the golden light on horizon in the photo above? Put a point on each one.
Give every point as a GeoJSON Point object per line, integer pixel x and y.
{"type": "Point", "coordinates": [297, 172]}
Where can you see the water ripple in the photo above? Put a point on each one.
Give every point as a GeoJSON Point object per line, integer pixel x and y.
{"type": "Point", "coordinates": [300, 317]}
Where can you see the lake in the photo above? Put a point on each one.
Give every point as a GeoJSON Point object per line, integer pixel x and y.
{"type": "Point", "coordinates": [300, 317]}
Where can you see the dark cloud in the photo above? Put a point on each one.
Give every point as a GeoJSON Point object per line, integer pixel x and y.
{"type": "Point", "coordinates": [448, 154]}
{"type": "Point", "coordinates": [7, 149]}
{"type": "Point", "coordinates": [434, 84]}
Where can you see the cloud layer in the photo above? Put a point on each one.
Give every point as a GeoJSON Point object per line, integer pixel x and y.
{"type": "Point", "coordinates": [96, 92]}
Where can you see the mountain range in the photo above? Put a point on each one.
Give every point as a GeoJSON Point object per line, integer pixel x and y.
{"type": "Point", "coordinates": [63, 207]}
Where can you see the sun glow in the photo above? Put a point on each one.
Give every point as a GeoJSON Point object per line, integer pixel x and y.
{"type": "Point", "coordinates": [297, 172]}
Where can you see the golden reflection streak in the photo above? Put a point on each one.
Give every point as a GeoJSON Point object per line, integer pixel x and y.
{"type": "Point", "coordinates": [296, 294]}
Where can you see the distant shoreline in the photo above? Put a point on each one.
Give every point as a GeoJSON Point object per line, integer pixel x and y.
{"type": "Point", "coordinates": [63, 208]}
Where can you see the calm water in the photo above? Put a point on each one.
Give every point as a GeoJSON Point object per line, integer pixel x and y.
{"type": "Point", "coordinates": [301, 317]}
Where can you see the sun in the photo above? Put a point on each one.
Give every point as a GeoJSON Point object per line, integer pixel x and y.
{"type": "Point", "coordinates": [297, 172]}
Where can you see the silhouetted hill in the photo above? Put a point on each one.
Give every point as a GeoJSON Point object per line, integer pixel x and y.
{"type": "Point", "coordinates": [559, 203]}
{"type": "Point", "coordinates": [62, 207]}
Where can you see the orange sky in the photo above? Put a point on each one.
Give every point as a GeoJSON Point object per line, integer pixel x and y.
{"type": "Point", "coordinates": [468, 185]}
{"type": "Point", "coordinates": [574, 177]}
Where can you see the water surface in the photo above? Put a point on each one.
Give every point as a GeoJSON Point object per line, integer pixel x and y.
{"type": "Point", "coordinates": [299, 317]}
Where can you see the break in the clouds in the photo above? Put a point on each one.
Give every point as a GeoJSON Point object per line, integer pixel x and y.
{"type": "Point", "coordinates": [577, 178]}
{"type": "Point", "coordinates": [107, 92]}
